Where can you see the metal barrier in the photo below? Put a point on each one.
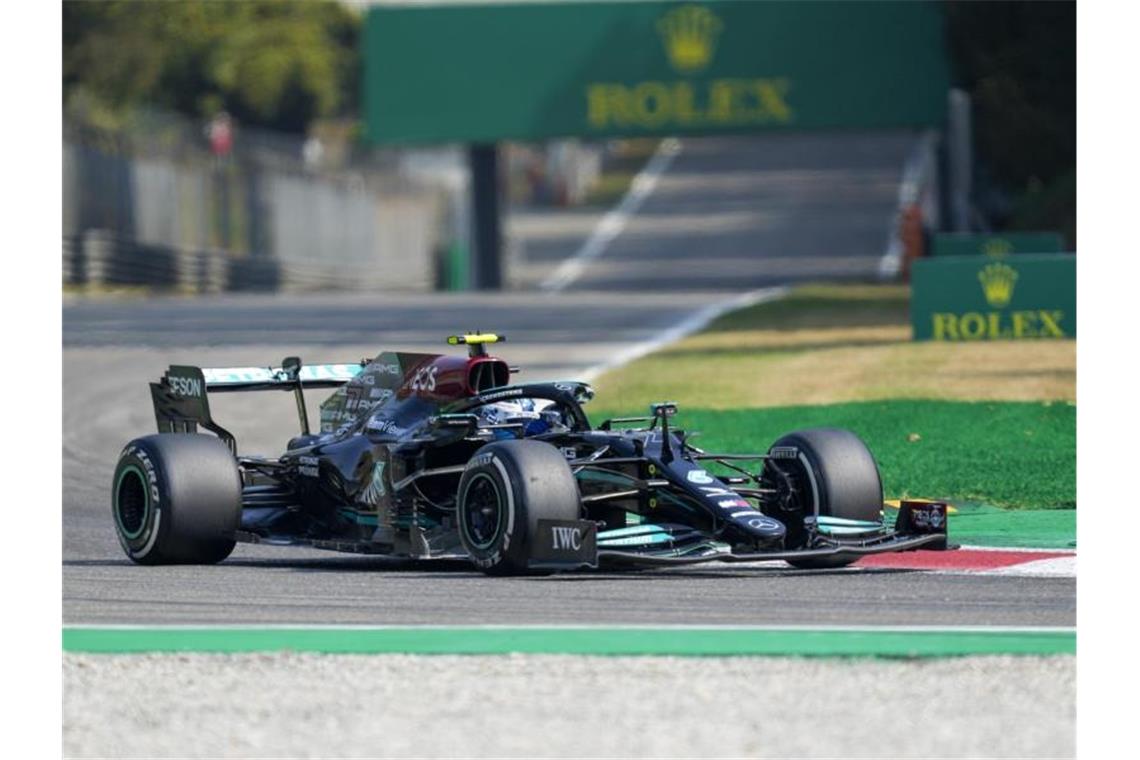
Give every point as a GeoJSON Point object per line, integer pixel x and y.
{"type": "Point", "coordinates": [97, 259]}
{"type": "Point", "coordinates": [151, 206]}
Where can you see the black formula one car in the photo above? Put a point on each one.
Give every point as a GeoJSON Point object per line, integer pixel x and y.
{"type": "Point", "coordinates": [438, 456]}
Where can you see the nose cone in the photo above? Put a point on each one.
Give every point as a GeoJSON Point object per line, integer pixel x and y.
{"type": "Point", "coordinates": [749, 519]}
{"type": "Point", "coordinates": [729, 505]}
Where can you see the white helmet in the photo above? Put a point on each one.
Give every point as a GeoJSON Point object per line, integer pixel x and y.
{"type": "Point", "coordinates": [521, 411]}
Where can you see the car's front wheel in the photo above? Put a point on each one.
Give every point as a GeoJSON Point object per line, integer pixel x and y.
{"type": "Point", "coordinates": [505, 490]}
{"type": "Point", "coordinates": [833, 475]}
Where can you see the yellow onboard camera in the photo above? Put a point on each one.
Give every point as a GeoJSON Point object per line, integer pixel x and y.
{"type": "Point", "coordinates": [477, 341]}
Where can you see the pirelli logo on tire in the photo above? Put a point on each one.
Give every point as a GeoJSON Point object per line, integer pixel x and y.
{"type": "Point", "coordinates": [1005, 297]}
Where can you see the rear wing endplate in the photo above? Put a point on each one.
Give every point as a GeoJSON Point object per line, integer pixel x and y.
{"type": "Point", "coordinates": [181, 396]}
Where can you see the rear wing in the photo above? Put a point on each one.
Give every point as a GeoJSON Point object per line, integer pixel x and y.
{"type": "Point", "coordinates": [181, 396]}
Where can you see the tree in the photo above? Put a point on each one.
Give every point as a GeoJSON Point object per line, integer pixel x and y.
{"type": "Point", "coordinates": [273, 64]}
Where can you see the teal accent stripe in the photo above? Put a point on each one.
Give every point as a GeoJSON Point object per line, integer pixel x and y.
{"type": "Point", "coordinates": [828, 520]}
{"type": "Point", "coordinates": [635, 530]}
{"type": "Point", "coordinates": [870, 642]}
{"type": "Point", "coordinates": [358, 518]}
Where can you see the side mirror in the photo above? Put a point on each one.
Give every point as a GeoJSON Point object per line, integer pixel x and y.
{"type": "Point", "coordinates": [291, 366]}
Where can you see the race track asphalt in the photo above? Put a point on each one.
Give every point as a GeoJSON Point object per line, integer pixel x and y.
{"type": "Point", "coordinates": [113, 348]}
{"type": "Point", "coordinates": [759, 212]}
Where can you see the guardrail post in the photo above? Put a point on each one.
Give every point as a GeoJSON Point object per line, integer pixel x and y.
{"type": "Point", "coordinates": [960, 159]}
{"type": "Point", "coordinates": [97, 253]}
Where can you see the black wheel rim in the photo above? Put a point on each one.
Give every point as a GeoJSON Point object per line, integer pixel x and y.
{"type": "Point", "coordinates": [482, 511]}
{"type": "Point", "coordinates": [132, 502]}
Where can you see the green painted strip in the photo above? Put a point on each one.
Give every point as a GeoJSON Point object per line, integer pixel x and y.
{"type": "Point", "coordinates": [984, 525]}
{"type": "Point", "coordinates": [587, 641]}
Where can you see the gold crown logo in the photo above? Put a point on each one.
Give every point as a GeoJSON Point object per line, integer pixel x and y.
{"type": "Point", "coordinates": [997, 247]}
{"type": "Point", "coordinates": [997, 283]}
{"type": "Point", "coordinates": [689, 34]}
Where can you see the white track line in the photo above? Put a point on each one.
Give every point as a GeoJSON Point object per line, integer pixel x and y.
{"type": "Point", "coordinates": [1057, 567]}
{"type": "Point", "coordinates": [1024, 549]}
{"type": "Point", "coordinates": [616, 219]}
{"type": "Point", "coordinates": [686, 327]}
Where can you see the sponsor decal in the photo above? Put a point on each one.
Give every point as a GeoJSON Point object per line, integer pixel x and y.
{"type": "Point", "coordinates": [783, 452]}
{"type": "Point", "coordinates": [997, 247]}
{"type": "Point", "coordinates": [699, 476]}
{"type": "Point", "coordinates": [732, 504]}
{"type": "Point", "coordinates": [185, 386]}
{"type": "Point", "coordinates": [501, 394]}
{"type": "Point", "coordinates": [763, 523]}
{"type": "Point", "coordinates": [566, 538]}
{"type": "Point", "coordinates": [308, 467]}
{"type": "Point", "coordinates": [368, 379]}
{"type": "Point", "coordinates": [151, 474]}
{"type": "Point", "coordinates": [928, 517]}
{"type": "Point", "coordinates": [481, 460]}
{"type": "Point", "coordinates": [689, 36]}
{"type": "Point", "coordinates": [569, 452]}
{"type": "Point", "coordinates": [997, 281]}
{"type": "Point", "coordinates": [973, 325]}
{"type": "Point", "coordinates": [380, 394]}
{"type": "Point", "coordinates": [1013, 298]}
{"type": "Point", "coordinates": [715, 492]}
{"type": "Point", "coordinates": [564, 387]}
{"type": "Point", "coordinates": [377, 488]}
{"type": "Point", "coordinates": [385, 427]}
{"type": "Point", "coordinates": [574, 541]}
{"type": "Point", "coordinates": [424, 379]}
{"type": "Point", "coordinates": [387, 369]}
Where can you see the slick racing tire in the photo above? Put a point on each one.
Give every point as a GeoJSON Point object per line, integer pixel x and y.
{"type": "Point", "coordinates": [176, 499]}
{"type": "Point", "coordinates": [836, 470]}
{"type": "Point", "coordinates": [506, 489]}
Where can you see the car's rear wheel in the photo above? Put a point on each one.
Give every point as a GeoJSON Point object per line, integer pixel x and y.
{"type": "Point", "coordinates": [176, 499]}
{"type": "Point", "coordinates": [834, 475]}
{"type": "Point", "coordinates": [505, 490]}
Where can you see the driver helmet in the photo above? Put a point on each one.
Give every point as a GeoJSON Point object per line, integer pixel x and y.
{"type": "Point", "coordinates": [521, 411]}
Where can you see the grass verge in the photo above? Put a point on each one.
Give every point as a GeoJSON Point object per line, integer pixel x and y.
{"type": "Point", "coordinates": [988, 422]}
{"type": "Point", "coordinates": [835, 343]}
{"type": "Point", "coordinates": [1012, 454]}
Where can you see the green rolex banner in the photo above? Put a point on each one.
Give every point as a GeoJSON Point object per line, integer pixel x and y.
{"type": "Point", "coordinates": [475, 72]}
{"type": "Point", "coordinates": [956, 298]}
{"type": "Point", "coordinates": [965, 244]}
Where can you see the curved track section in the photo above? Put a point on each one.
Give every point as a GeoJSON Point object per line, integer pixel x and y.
{"type": "Point", "coordinates": [106, 403]}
